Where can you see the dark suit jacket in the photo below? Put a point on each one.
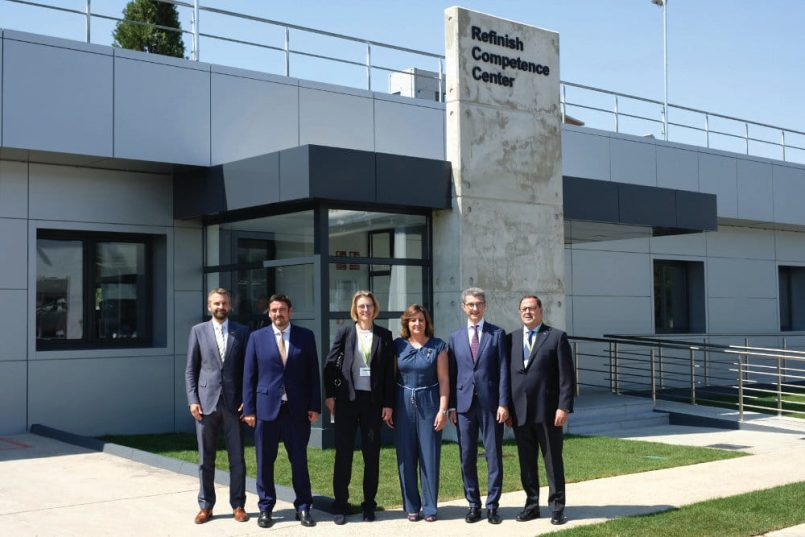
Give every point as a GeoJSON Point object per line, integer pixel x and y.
{"type": "Point", "coordinates": [206, 376]}
{"type": "Point", "coordinates": [488, 377]}
{"type": "Point", "coordinates": [264, 375]}
{"type": "Point", "coordinates": [381, 364]}
{"type": "Point", "coordinates": [549, 381]}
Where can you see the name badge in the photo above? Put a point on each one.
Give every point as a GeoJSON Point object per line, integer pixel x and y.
{"type": "Point", "coordinates": [366, 372]}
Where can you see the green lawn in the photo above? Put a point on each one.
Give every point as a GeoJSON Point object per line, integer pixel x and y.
{"type": "Point", "coordinates": [745, 515]}
{"type": "Point", "coordinates": [586, 457]}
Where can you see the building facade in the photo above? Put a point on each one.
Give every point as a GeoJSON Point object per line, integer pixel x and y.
{"type": "Point", "coordinates": [131, 184]}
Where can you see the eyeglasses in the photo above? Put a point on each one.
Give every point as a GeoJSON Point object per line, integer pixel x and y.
{"type": "Point", "coordinates": [473, 305]}
{"type": "Point", "coordinates": [527, 309]}
{"type": "Point", "coordinates": [366, 306]}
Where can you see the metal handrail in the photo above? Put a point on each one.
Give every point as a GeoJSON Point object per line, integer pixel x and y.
{"type": "Point", "coordinates": [630, 364]}
{"type": "Point", "coordinates": [790, 150]}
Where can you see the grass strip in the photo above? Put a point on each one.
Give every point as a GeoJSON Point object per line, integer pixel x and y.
{"type": "Point", "coordinates": [586, 457]}
{"type": "Point", "coordinates": [745, 515]}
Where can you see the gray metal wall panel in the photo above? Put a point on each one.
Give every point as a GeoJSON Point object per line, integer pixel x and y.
{"type": "Point", "coordinates": [718, 175]}
{"type": "Point", "coordinates": [741, 243]}
{"type": "Point", "coordinates": [127, 395]}
{"type": "Point", "coordinates": [696, 211]}
{"type": "Point", "coordinates": [189, 308]}
{"type": "Point", "coordinates": [187, 259]}
{"type": "Point", "coordinates": [677, 168]}
{"type": "Point", "coordinates": [585, 155]}
{"type": "Point", "coordinates": [252, 117]}
{"type": "Point", "coordinates": [341, 174]}
{"type": "Point", "coordinates": [56, 99]}
{"type": "Point", "coordinates": [162, 113]}
{"type": "Point", "coordinates": [747, 278]}
{"type": "Point", "coordinates": [633, 162]}
{"type": "Point", "coordinates": [13, 324]}
{"type": "Point", "coordinates": [14, 251]}
{"type": "Point", "coordinates": [413, 181]}
{"type": "Point", "coordinates": [251, 182]}
{"type": "Point", "coordinates": [646, 205]}
{"type": "Point", "coordinates": [755, 192]}
{"type": "Point", "coordinates": [407, 129]}
{"type": "Point", "coordinates": [100, 196]}
{"type": "Point", "coordinates": [13, 385]}
{"type": "Point", "coordinates": [13, 189]}
{"type": "Point", "coordinates": [789, 192]}
{"type": "Point", "coordinates": [336, 119]}
{"type": "Point", "coordinates": [588, 199]}
{"type": "Point", "coordinates": [295, 173]}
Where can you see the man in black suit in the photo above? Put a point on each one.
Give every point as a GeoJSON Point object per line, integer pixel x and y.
{"type": "Point", "coordinates": [214, 384]}
{"type": "Point", "coordinates": [543, 385]}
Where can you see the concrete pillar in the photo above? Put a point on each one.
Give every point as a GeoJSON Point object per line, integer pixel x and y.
{"type": "Point", "coordinates": [505, 232]}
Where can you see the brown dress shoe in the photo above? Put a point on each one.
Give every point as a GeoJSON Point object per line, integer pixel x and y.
{"type": "Point", "coordinates": [240, 514]}
{"type": "Point", "coordinates": [203, 516]}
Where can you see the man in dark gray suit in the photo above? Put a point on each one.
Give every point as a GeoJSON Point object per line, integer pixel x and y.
{"type": "Point", "coordinates": [214, 383]}
{"type": "Point", "coordinates": [543, 383]}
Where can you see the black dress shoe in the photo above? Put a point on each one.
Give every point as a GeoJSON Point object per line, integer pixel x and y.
{"type": "Point", "coordinates": [558, 518]}
{"type": "Point", "coordinates": [339, 519]}
{"type": "Point", "coordinates": [369, 516]}
{"type": "Point", "coordinates": [473, 515]}
{"type": "Point", "coordinates": [264, 520]}
{"type": "Point", "coordinates": [492, 516]}
{"type": "Point", "coordinates": [527, 514]}
{"type": "Point", "coordinates": [305, 518]}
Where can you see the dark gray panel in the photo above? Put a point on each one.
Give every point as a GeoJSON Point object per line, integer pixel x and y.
{"type": "Point", "coordinates": [589, 199]}
{"type": "Point", "coordinates": [342, 174]}
{"type": "Point", "coordinates": [647, 205]}
{"type": "Point", "coordinates": [198, 191]}
{"type": "Point", "coordinates": [413, 181]}
{"type": "Point", "coordinates": [295, 173]}
{"type": "Point", "coordinates": [696, 211]}
{"type": "Point", "coordinates": [252, 181]}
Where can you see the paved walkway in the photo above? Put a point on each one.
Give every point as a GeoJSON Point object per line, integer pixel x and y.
{"type": "Point", "coordinates": [49, 488]}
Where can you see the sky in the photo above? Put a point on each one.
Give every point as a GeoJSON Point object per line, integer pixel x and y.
{"type": "Point", "coordinates": [741, 58]}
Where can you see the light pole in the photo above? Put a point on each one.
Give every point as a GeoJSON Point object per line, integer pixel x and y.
{"type": "Point", "coordinates": [664, 5]}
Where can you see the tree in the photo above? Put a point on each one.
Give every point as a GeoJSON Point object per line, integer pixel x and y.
{"type": "Point", "coordinates": [146, 37]}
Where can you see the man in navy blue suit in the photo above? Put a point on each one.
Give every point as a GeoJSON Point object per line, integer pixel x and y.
{"type": "Point", "coordinates": [281, 398]}
{"type": "Point", "coordinates": [479, 396]}
{"type": "Point", "coordinates": [213, 381]}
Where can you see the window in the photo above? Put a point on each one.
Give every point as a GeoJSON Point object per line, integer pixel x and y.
{"type": "Point", "coordinates": [93, 290]}
{"type": "Point", "coordinates": [678, 297]}
{"type": "Point", "coordinates": [383, 252]}
{"type": "Point", "coordinates": [792, 298]}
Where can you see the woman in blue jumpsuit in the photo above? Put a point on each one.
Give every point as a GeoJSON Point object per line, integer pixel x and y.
{"type": "Point", "coordinates": [423, 388]}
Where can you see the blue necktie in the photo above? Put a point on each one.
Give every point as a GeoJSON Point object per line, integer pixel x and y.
{"type": "Point", "coordinates": [529, 348]}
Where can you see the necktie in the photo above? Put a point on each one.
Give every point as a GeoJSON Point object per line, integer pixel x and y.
{"type": "Point", "coordinates": [219, 339]}
{"type": "Point", "coordinates": [281, 346]}
{"type": "Point", "coordinates": [474, 344]}
{"type": "Point", "coordinates": [529, 347]}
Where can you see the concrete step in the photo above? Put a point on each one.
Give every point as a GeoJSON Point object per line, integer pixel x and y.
{"type": "Point", "coordinates": [600, 424]}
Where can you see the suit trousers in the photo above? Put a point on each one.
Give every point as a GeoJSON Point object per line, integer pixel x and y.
{"type": "Point", "coordinates": [469, 423]}
{"type": "Point", "coordinates": [549, 440]}
{"type": "Point", "coordinates": [294, 432]}
{"type": "Point", "coordinates": [352, 415]}
{"type": "Point", "coordinates": [207, 433]}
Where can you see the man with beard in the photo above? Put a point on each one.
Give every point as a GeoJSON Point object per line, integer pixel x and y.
{"type": "Point", "coordinates": [214, 384]}
{"type": "Point", "coordinates": [281, 398]}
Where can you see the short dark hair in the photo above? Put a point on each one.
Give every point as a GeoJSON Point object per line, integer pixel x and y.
{"type": "Point", "coordinates": [411, 312]}
{"type": "Point", "coordinates": [280, 298]}
{"type": "Point", "coordinates": [535, 297]}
